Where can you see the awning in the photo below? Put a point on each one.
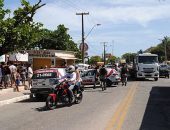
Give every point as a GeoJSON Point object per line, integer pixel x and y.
{"type": "Point", "coordinates": [66, 58]}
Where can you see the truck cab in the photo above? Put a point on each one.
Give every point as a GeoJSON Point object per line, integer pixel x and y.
{"type": "Point", "coordinates": [146, 66]}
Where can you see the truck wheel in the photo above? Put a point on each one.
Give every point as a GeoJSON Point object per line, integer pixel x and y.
{"type": "Point", "coordinates": [156, 79]}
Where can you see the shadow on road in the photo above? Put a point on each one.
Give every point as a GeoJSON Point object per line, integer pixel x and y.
{"type": "Point", "coordinates": [157, 113]}
{"type": "Point", "coordinates": [44, 108]}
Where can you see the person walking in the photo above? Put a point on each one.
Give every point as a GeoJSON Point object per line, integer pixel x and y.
{"type": "Point", "coordinates": [17, 81]}
{"type": "Point", "coordinates": [23, 74]}
{"type": "Point", "coordinates": [102, 76]}
{"type": "Point", "coordinates": [7, 76]}
{"type": "Point", "coordinates": [13, 70]}
{"type": "Point", "coordinates": [30, 74]}
{"type": "Point", "coordinates": [96, 74]}
{"type": "Point", "coordinates": [123, 73]}
{"type": "Point", "coordinates": [0, 75]}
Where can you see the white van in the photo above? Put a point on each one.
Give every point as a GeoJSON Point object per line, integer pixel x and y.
{"type": "Point", "coordinates": [82, 67]}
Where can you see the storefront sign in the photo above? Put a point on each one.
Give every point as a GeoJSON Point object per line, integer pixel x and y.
{"type": "Point", "coordinates": [41, 53]}
{"type": "Point", "coordinates": [19, 57]}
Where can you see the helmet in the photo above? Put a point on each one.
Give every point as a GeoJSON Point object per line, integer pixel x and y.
{"type": "Point", "coordinates": [70, 69]}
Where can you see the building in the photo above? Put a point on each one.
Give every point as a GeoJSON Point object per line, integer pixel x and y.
{"type": "Point", "coordinates": [50, 58]}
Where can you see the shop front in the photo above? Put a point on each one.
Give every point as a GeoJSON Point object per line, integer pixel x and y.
{"type": "Point", "coordinates": [50, 58]}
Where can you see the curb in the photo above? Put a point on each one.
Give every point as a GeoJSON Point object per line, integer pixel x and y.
{"type": "Point", "coordinates": [11, 90]}
{"type": "Point", "coordinates": [16, 99]}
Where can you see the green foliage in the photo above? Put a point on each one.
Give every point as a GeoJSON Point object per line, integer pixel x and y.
{"type": "Point", "coordinates": [112, 60]}
{"type": "Point", "coordinates": [58, 39]}
{"type": "Point", "coordinates": [128, 57]}
{"type": "Point", "coordinates": [95, 59]}
{"type": "Point", "coordinates": [20, 31]}
{"type": "Point", "coordinates": [160, 49]}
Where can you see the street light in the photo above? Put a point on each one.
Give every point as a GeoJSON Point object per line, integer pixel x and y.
{"type": "Point", "coordinates": [92, 30]}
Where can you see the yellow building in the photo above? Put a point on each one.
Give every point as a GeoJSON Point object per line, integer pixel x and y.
{"type": "Point", "coordinates": [50, 58]}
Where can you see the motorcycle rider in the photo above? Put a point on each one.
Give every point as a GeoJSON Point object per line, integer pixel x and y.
{"type": "Point", "coordinates": [71, 80]}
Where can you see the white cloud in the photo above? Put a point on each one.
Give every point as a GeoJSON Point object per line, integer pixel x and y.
{"type": "Point", "coordinates": [60, 13]}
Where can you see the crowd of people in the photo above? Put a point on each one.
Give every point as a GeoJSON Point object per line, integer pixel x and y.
{"type": "Point", "coordinates": [13, 75]}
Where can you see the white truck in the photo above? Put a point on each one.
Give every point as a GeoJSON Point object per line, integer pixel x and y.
{"type": "Point", "coordinates": [146, 66]}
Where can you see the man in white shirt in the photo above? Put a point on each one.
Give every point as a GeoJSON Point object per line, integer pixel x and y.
{"type": "Point", "coordinates": [13, 70]}
{"type": "Point", "coordinates": [30, 74]}
{"type": "Point", "coordinates": [71, 79]}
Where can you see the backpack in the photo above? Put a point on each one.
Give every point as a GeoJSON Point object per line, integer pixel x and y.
{"type": "Point", "coordinates": [124, 70]}
{"type": "Point", "coordinates": [102, 71]}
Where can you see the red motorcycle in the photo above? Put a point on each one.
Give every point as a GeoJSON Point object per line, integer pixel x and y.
{"type": "Point", "coordinates": [60, 95]}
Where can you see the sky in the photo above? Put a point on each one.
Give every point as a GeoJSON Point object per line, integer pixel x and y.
{"type": "Point", "coordinates": [126, 25]}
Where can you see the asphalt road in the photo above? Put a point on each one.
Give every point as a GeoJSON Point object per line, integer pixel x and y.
{"type": "Point", "coordinates": [130, 107]}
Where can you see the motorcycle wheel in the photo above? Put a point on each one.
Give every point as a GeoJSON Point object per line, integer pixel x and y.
{"type": "Point", "coordinates": [50, 103]}
{"type": "Point", "coordinates": [108, 83]}
{"type": "Point", "coordinates": [79, 98]}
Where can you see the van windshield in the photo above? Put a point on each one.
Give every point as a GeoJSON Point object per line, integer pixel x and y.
{"type": "Point", "coordinates": [45, 75]}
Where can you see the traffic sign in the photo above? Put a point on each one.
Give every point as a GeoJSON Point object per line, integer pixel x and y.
{"type": "Point", "coordinates": [86, 47]}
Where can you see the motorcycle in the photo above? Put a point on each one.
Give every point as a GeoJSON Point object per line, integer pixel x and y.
{"type": "Point", "coordinates": [60, 95]}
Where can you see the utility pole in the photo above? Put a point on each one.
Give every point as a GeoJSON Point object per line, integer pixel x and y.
{"type": "Point", "coordinates": [104, 51]}
{"type": "Point", "coordinates": [112, 47]}
{"type": "Point", "coordinates": [82, 15]}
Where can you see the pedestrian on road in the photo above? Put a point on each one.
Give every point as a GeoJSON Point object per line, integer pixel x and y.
{"type": "Point", "coordinates": [13, 70]}
{"type": "Point", "coordinates": [23, 74]}
{"type": "Point", "coordinates": [0, 75]}
{"type": "Point", "coordinates": [7, 76]}
{"type": "Point", "coordinates": [17, 81]}
{"type": "Point", "coordinates": [123, 72]}
{"type": "Point", "coordinates": [102, 76]}
{"type": "Point", "coordinates": [30, 74]}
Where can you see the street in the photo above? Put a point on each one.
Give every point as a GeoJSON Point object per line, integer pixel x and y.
{"type": "Point", "coordinates": [141, 105]}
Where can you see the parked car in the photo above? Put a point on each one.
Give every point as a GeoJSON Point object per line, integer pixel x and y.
{"type": "Point", "coordinates": [88, 77]}
{"type": "Point", "coordinates": [44, 80]}
{"type": "Point", "coordinates": [164, 70]}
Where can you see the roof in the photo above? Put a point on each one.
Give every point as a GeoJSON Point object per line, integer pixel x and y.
{"type": "Point", "coordinates": [147, 54]}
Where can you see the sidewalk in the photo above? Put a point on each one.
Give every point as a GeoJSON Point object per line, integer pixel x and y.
{"type": "Point", "coordinates": [8, 96]}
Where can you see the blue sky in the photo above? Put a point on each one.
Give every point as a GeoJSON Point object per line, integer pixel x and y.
{"type": "Point", "coordinates": [127, 25]}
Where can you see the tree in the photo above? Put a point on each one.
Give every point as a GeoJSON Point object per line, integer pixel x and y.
{"type": "Point", "coordinates": [111, 59]}
{"type": "Point", "coordinates": [128, 57]}
{"type": "Point", "coordinates": [20, 31]}
{"type": "Point", "coordinates": [58, 39]}
{"type": "Point", "coordinates": [95, 59]}
{"type": "Point", "coordinates": [162, 49]}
